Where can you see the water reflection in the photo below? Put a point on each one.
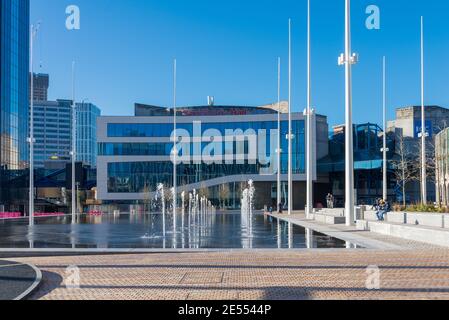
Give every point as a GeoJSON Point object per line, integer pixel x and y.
{"type": "Point", "coordinates": [194, 231]}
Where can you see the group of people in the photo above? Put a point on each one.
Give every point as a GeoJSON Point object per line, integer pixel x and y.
{"type": "Point", "coordinates": [382, 207]}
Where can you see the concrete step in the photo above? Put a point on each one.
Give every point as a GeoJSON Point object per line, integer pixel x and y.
{"type": "Point", "coordinates": [329, 218]}
{"type": "Point", "coordinates": [431, 235]}
{"type": "Point", "coordinates": [333, 212]}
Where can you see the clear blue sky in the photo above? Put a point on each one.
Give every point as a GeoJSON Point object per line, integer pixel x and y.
{"type": "Point", "coordinates": [229, 48]}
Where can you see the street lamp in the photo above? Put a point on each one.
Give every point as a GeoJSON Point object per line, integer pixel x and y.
{"type": "Point", "coordinates": [77, 194]}
{"type": "Point", "coordinates": [384, 149]}
{"type": "Point", "coordinates": [309, 187]}
{"type": "Point", "coordinates": [279, 150]}
{"type": "Point", "coordinates": [290, 134]}
{"type": "Point", "coordinates": [424, 133]}
{"type": "Point", "coordinates": [348, 59]}
{"type": "Point", "coordinates": [31, 140]}
{"type": "Point", "coordinates": [73, 152]}
{"type": "Point", "coordinates": [175, 150]}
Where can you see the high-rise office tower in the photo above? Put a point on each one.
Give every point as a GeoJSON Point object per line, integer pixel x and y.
{"type": "Point", "coordinates": [86, 133]}
{"type": "Point", "coordinates": [40, 86]}
{"type": "Point", "coordinates": [52, 131]}
{"type": "Point", "coordinates": [14, 73]}
{"type": "Point", "coordinates": [14, 70]}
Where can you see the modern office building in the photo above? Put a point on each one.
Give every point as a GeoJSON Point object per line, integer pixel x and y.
{"type": "Point", "coordinates": [14, 70]}
{"type": "Point", "coordinates": [368, 164]}
{"type": "Point", "coordinates": [14, 24]}
{"type": "Point", "coordinates": [40, 86]}
{"type": "Point", "coordinates": [52, 131]}
{"type": "Point", "coordinates": [53, 186]}
{"type": "Point", "coordinates": [86, 133]}
{"type": "Point", "coordinates": [219, 148]}
{"type": "Point", "coordinates": [407, 128]}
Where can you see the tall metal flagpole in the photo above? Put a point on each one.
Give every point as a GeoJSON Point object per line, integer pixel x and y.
{"type": "Point", "coordinates": [175, 150]}
{"type": "Point", "coordinates": [348, 59]}
{"type": "Point", "coordinates": [309, 192]}
{"type": "Point", "coordinates": [279, 150]}
{"type": "Point", "coordinates": [289, 135]}
{"type": "Point", "coordinates": [423, 124]}
{"type": "Point", "coordinates": [384, 149]}
{"type": "Point", "coordinates": [73, 145]}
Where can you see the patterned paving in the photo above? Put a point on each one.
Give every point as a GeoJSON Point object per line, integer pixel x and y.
{"type": "Point", "coordinates": [299, 274]}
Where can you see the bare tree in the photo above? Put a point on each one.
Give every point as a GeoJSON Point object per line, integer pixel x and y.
{"type": "Point", "coordinates": [204, 191]}
{"type": "Point", "coordinates": [224, 193]}
{"type": "Point", "coordinates": [406, 166]}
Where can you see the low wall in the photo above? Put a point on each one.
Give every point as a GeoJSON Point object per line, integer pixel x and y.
{"type": "Point", "coordinates": [425, 219]}
{"type": "Point", "coordinates": [412, 218]}
{"type": "Point", "coordinates": [409, 232]}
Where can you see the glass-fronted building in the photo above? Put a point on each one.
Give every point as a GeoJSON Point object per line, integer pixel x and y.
{"type": "Point", "coordinates": [86, 133]}
{"type": "Point", "coordinates": [219, 149]}
{"type": "Point", "coordinates": [368, 164]}
{"type": "Point", "coordinates": [14, 70]}
{"type": "Point", "coordinates": [52, 131]}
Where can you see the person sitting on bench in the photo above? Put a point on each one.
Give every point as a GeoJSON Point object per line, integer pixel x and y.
{"type": "Point", "coordinates": [384, 208]}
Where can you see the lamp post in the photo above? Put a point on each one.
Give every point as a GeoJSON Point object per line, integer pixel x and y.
{"type": "Point", "coordinates": [279, 149]}
{"type": "Point", "coordinates": [73, 152]}
{"type": "Point", "coordinates": [175, 150]}
{"type": "Point", "coordinates": [348, 59]}
{"type": "Point", "coordinates": [31, 141]}
{"type": "Point", "coordinates": [290, 135]}
{"type": "Point", "coordinates": [424, 133]}
{"type": "Point", "coordinates": [309, 188]}
{"type": "Point", "coordinates": [384, 148]}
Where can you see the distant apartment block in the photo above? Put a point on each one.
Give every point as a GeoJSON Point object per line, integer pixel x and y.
{"type": "Point", "coordinates": [52, 131]}
{"type": "Point", "coordinates": [40, 86]}
{"type": "Point", "coordinates": [86, 133]}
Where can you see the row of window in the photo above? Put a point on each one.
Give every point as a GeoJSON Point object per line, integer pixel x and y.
{"type": "Point", "coordinates": [137, 177]}
{"type": "Point", "coordinates": [165, 130]}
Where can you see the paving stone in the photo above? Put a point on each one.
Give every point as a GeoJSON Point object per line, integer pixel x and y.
{"type": "Point", "coordinates": [240, 275]}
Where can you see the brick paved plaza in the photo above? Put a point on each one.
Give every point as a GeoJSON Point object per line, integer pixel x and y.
{"type": "Point", "coordinates": [298, 274]}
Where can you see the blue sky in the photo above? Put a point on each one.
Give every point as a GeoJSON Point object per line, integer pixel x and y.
{"type": "Point", "coordinates": [229, 49]}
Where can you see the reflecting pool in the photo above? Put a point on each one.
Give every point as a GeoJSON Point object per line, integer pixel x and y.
{"type": "Point", "coordinates": [151, 231]}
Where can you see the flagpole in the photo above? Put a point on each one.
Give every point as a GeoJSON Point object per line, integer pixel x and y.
{"type": "Point", "coordinates": [289, 136]}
